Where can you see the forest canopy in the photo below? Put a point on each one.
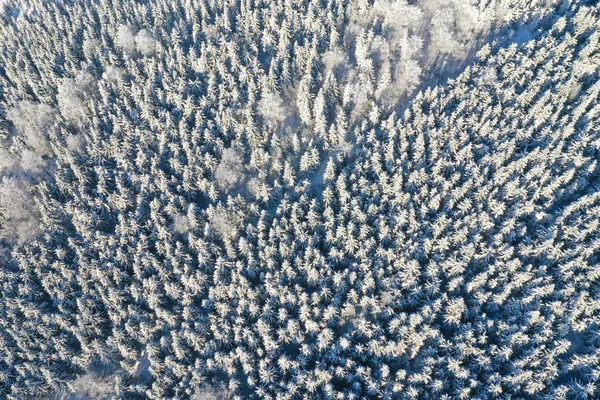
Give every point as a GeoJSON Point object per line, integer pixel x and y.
{"type": "Point", "coordinates": [255, 199]}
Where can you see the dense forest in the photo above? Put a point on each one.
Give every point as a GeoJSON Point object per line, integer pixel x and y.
{"type": "Point", "coordinates": [299, 199]}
